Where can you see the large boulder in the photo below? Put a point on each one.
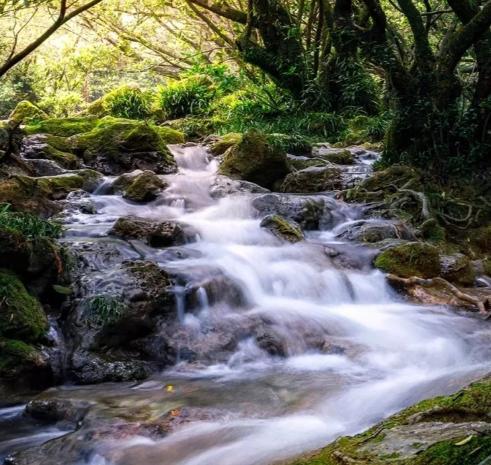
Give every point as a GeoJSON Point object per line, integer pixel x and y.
{"type": "Point", "coordinates": [139, 186]}
{"type": "Point", "coordinates": [111, 319]}
{"type": "Point", "coordinates": [310, 212]}
{"type": "Point", "coordinates": [26, 111]}
{"type": "Point", "coordinates": [458, 268]}
{"type": "Point", "coordinates": [446, 430]}
{"type": "Point", "coordinates": [255, 160]}
{"type": "Point", "coordinates": [375, 231]}
{"type": "Point", "coordinates": [412, 259]}
{"type": "Point", "coordinates": [313, 179]}
{"type": "Point", "coordinates": [38, 147]}
{"type": "Point", "coordinates": [222, 144]}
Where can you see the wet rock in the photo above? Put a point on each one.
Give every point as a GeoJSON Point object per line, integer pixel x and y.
{"type": "Point", "coordinates": [139, 186]}
{"type": "Point", "coordinates": [375, 231]}
{"type": "Point", "coordinates": [222, 144]}
{"type": "Point", "coordinates": [282, 228]}
{"type": "Point", "coordinates": [454, 429]}
{"type": "Point", "coordinates": [109, 317]}
{"type": "Point", "coordinates": [333, 154]}
{"type": "Point", "coordinates": [308, 212]}
{"type": "Point", "coordinates": [38, 147]}
{"type": "Point", "coordinates": [458, 268]}
{"type": "Point", "coordinates": [224, 186]}
{"type": "Point", "coordinates": [412, 259]}
{"type": "Point", "coordinates": [255, 160]}
{"type": "Point", "coordinates": [155, 234]}
{"type": "Point", "coordinates": [56, 410]}
{"type": "Point", "coordinates": [313, 179]}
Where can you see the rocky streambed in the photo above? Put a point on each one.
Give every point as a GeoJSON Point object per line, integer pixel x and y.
{"type": "Point", "coordinates": [219, 305]}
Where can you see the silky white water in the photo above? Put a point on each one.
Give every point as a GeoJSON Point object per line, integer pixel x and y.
{"type": "Point", "coordinates": [353, 351]}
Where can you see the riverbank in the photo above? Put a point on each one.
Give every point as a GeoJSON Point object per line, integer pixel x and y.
{"type": "Point", "coordinates": [237, 279]}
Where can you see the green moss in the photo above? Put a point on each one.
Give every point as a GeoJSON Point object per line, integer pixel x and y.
{"type": "Point", "coordinates": [342, 157]}
{"type": "Point", "coordinates": [111, 136]}
{"type": "Point", "coordinates": [193, 127]}
{"type": "Point", "coordinates": [255, 160]}
{"type": "Point", "coordinates": [25, 111]}
{"type": "Point", "coordinates": [143, 187]}
{"type": "Point", "coordinates": [16, 357]}
{"type": "Point", "coordinates": [470, 404]}
{"type": "Point", "coordinates": [482, 238]}
{"type": "Point", "coordinates": [102, 310]}
{"type": "Point", "coordinates": [61, 185]}
{"type": "Point", "coordinates": [64, 127]}
{"type": "Point", "coordinates": [413, 259]}
{"type": "Point", "coordinates": [169, 135]}
{"type": "Point", "coordinates": [225, 142]}
{"type": "Point", "coordinates": [282, 228]}
{"type": "Point", "coordinates": [21, 315]}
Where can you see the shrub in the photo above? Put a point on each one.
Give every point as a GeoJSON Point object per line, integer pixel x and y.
{"type": "Point", "coordinates": [189, 96]}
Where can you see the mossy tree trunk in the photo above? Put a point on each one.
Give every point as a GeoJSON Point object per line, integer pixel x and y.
{"type": "Point", "coordinates": [433, 126]}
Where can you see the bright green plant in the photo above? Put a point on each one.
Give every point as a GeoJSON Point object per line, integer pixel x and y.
{"type": "Point", "coordinates": [127, 102]}
{"type": "Point", "coordinates": [189, 96]}
{"type": "Point", "coordinates": [28, 225]}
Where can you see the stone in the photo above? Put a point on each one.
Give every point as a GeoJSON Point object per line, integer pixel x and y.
{"type": "Point", "coordinates": [313, 179]}
{"type": "Point", "coordinates": [282, 228]}
{"type": "Point", "coordinates": [139, 186]}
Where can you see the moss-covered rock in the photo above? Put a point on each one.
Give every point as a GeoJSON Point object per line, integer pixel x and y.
{"type": "Point", "coordinates": [282, 228]}
{"type": "Point", "coordinates": [255, 160]}
{"type": "Point", "coordinates": [25, 111]}
{"type": "Point", "coordinates": [63, 127]}
{"type": "Point", "coordinates": [169, 135]}
{"type": "Point", "coordinates": [340, 157]}
{"type": "Point", "coordinates": [139, 186]}
{"type": "Point", "coordinates": [192, 127]}
{"type": "Point", "coordinates": [39, 147]}
{"type": "Point", "coordinates": [116, 145]}
{"type": "Point", "coordinates": [220, 146]}
{"type": "Point", "coordinates": [18, 359]}
{"type": "Point", "coordinates": [411, 259]}
{"type": "Point", "coordinates": [458, 269]}
{"type": "Point", "coordinates": [313, 179]}
{"type": "Point", "coordinates": [21, 315]}
{"type": "Point", "coordinates": [57, 187]}
{"type": "Point", "coordinates": [449, 430]}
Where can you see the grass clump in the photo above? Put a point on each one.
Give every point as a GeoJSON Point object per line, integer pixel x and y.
{"type": "Point", "coordinates": [102, 310]}
{"type": "Point", "coordinates": [29, 225]}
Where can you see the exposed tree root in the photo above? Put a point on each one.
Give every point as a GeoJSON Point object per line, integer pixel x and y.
{"type": "Point", "coordinates": [482, 305]}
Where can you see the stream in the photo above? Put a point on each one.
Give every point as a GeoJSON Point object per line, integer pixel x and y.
{"type": "Point", "coordinates": [340, 351]}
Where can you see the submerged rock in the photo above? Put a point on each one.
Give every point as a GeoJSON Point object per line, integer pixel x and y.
{"type": "Point", "coordinates": [255, 160]}
{"type": "Point", "coordinates": [282, 228]}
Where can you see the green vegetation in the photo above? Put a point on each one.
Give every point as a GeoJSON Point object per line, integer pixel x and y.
{"type": "Point", "coordinates": [412, 259]}
{"type": "Point", "coordinates": [469, 405]}
{"type": "Point", "coordinates": [21, 315]}
{"type": "Point", "coordinates": [124, 102]}
{"type": "Point", "coordinates": [25, 111]}
{"type": "Point", "coordinates": [103, 310]}
{"type": "Point", "coordinates": [16, 357]}
{"type": "Point", "coordinates": [29, 225]}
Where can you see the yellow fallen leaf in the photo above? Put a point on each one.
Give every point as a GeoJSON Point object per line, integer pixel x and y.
{"type": "Point", "coordinates": [465, 441]}
{"type": "Point", "coordinates": [169, 388]}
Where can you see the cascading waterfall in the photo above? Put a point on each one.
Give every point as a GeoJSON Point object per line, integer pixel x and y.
{"type": "Point", "coordinates": [332, 350]}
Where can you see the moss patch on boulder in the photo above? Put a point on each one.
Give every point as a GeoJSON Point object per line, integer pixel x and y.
{"type": "Point", "coordinates": [255, 160]}
{"type": "Point", "coordinates": [18, 358]}
{"type": "Point", "coordinates": [341, 157]}
{"type": "Point", "coordinates": [312, 179]}
{"type": "Point", "coordinates": [282, 228]}
{"type": "Point", "coordinates": [412, 259]}
{"type": "Point", "coordinates": [225, 142]}
{"type": "Point", "coordinates": [21, 315]}
{"type": "Point", "coordinates": [447, 430]}
{"type": "Point", "coordinates": [139, 186]}
{"type": "Point", "coordinates": [26, 111]}
{"type": "Point", "coordinates": [63, 127]}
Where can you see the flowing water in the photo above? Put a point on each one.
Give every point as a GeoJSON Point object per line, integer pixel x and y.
{"type": "Point", "coordinates": [352, 350]}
